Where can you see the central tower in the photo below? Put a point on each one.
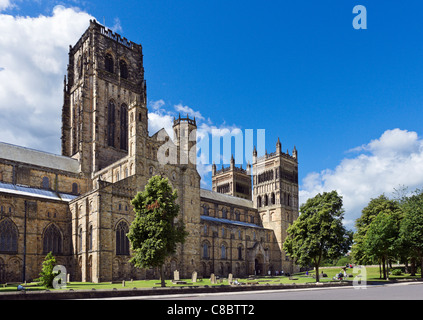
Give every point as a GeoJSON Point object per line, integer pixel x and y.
{"type": "Point", "coordinates": [275, 194]}
{"type": "Point", "coordinates": [105, 74]}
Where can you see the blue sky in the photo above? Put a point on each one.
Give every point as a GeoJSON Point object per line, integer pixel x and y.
{"type": "Point", "coordinates": [297, 69]}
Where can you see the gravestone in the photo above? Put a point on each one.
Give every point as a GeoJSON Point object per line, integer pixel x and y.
{"type": "Point", "coordinates": [213, 279]}
{"type": "Point", "coordinates": [194, 277]}
{"type": "Point", "coordinates": [230, 278]}
{"type": "Point", "coordinates": [176, 275]}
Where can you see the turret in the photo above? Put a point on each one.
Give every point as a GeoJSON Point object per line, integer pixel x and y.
{"type": "Point", "coordinates": [278, 147]}
{"type": "Point", "coordinates": [254, 155]}
{"type": "Point", "coordinates": [185, 138]}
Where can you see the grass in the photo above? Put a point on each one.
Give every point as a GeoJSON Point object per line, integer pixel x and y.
{"type": "Point", "coordinates": [372, 275]}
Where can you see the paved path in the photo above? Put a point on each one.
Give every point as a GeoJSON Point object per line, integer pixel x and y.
{"type": "Point", "coordinates": [399, 291]}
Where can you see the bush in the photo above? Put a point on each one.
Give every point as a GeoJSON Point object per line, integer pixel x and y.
{"type": "Point", "coordinates": [343, 261]}
{"type": "Point", "coordinates": [47, 276]}
{"type": "Point", "coordinates": [396, 272]}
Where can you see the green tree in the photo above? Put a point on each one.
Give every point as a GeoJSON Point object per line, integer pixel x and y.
{"type": "Point", "coordinates": [411, 229]}
{"type": "Point", "coordinates": [381, 239]}
{"type": "Point", "coordinates": [362, 224]}
{"type": "Point", "coordinates": [318, 234]}
{"type": "Point", "coordinates": [155, 231]}
{"type": "Point", "coordinates": [47, 275]}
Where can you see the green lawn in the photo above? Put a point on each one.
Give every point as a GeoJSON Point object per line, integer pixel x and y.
{"type": "Point", "coordinates": [372, 275]}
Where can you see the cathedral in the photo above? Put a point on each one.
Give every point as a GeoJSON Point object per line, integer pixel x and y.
{"type": "Point", "coordinates": [78, 205]}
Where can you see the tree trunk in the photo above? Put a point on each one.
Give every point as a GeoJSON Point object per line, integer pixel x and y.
{"type": "Point", "coordinates": [383, 266]}
{"type": "Point", "coordinates": [162, 279]}
{"type": "Point", "coordinates": [413, 267]}
{"type": "Point", "coordinates": [316, 267]}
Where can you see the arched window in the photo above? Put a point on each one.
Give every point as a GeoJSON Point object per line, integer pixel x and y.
{"type": "Point", "coordinates": [266, 200]}
{"type": "Point", "coordinates": [74, 188]}
{"type": "Point", "coordinates": [123, 69]}
{"type": "Point", "coordinates": [258, 202]}
{"type": "Point", "coordinates": [80, 240]}
{"type": "Point", "coordinates": [205, 210]}
{"type": "Point", "coordinates": [52, 241]}
{"type": "Point", "coordinates": [124, 127]}
{"type": "Point", "coordinates": [90, 238]}
{"type": "Point", "coordinates": [122, 242]}
{"type": "Point", "coordinates": [205, 251]}
{"type": "Point", "coordinates": [237, 216]}
{"type": "Point", "coordinates": [240, 253]}
{"type": "Point", "coordinates": [8, 237]}
{"type": "Point", "coordinates": [111, 125]}
{"type": "Point", "coordinates": [272, 198]}
{"type": "Point", "coordinates": [46, 183]}
{"type": "Point", "coordinates": [223, 251]}
{"type": "Point", "coordinates": [79, 67]}
{"type": "Point", "coordinates": [108, 63]}
{"type": "Point", "coordinates": [224, 213]}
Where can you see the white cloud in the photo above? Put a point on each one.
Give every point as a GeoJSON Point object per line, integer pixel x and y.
{"type": "Point", "coordinates": [117, 27]}
{"type": "Point", "coordinates": [157, 105]}
{"type": "Point", "coordinates": [5, 4]}
{"type": "Point", "coordinates": [187, 110]}
{"type": "Point", "coordinates": [33, 55]}
{"type": "Point", "coordinates": [394, 159]}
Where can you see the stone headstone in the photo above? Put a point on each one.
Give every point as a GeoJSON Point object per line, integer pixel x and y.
{"type": "Point", "coordinates": [230, 278]}
{"type": "Point", "coordinates": [194, 277]}
{"type": "Point", "coordinates": [213, 279]}
{"type": "Point", "coordinates": [176, 275]}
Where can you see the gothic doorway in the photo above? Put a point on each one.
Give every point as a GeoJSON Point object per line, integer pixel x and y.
{"type": "Point", "coordinates": [258, 265]}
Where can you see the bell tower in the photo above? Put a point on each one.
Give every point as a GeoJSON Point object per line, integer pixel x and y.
{"type": "Point", "coordinates": [105, 75]}
{"type": "Point", "coordinates": [232, 180]}
{"type": "Point", "coordinates": [275, 194]}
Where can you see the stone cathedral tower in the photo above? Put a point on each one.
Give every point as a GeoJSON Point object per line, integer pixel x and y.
{"type": "Point", "coordinates": [105, 128]}
{"type": "Point", "coordinates": [275, 194]}
{"type": "Point", "coordinates": [105, 74]}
